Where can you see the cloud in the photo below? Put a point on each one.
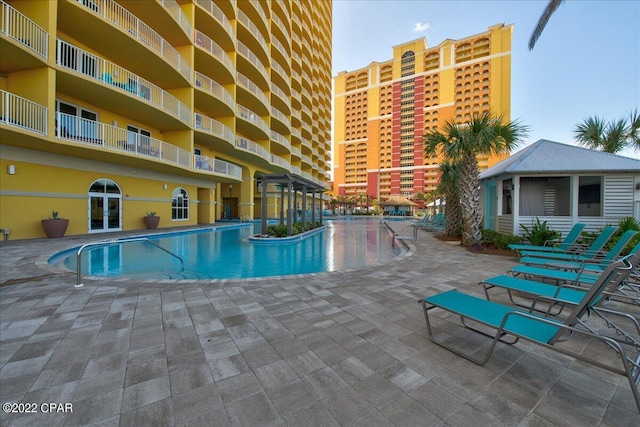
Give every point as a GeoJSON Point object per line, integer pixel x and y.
{"type": "Point", "coordinates": [420, 27]}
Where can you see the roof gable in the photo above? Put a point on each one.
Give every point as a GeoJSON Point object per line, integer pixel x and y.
{"type": "Point", "coordinates": [545, 156]}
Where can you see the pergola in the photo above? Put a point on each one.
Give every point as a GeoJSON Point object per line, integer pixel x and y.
{"type": "Point", "coordinates": [293, 184]}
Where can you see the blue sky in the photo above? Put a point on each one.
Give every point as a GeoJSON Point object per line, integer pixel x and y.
{"type": "Point", "coordinates": [587, 61]}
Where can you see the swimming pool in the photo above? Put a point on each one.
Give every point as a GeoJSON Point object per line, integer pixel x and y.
{"type": "Point", "coordinates": [225, 253]}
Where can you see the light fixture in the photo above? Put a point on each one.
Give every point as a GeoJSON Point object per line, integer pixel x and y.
{"type": "Point", "coordinates": [230, 188]}
{"type": "Point", "coordinates": [11, 169]}
{"type": "Point", "coordinates": [164, 186]}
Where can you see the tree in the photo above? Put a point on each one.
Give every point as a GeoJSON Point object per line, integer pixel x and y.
{"type": "Point", "coordinates": [552, 6]}
{"type": "Point", "coordinates": [449, 186]}
{"type": "Point", "coordinates": [611, 137]}
{"type": "Point", "coordinates": [484, 134]}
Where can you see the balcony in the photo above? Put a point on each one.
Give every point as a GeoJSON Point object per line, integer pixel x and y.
{"type": "Point", "coordinates": [81, 25]}
{"type": "Point", "coordinates": [221, 19]}
{"type": "Point", "coordinates": [99, 135]}
{"type": "Point", "coordinates": [259, 129]}
{"type": "Point", "coordinates": [209, 86]}
{"type": "Point", "coordinates": [27, 38]}
{"type": "Point", "coordinates": [258, 41]}
{"type": "Point", "coordinates": [217, 166]}
{"type": "Point", "coordinates": [282, 140]}
{"type": "Point", "coordinates": [250, 146]}
{"type": "Point", "coordinates": [285, 123]}
{"type": "Point", "coordinates": [80, 61]}
{"type": "Point", "coordinates": [19, 112]}
{"type": "Point", "coordinates": [281, 101]}
{"type": "Point", "coordinates": [251, 65]}
{"type": "Point", "coordinates": [213, 127]}
{"type": "Point", "coordinates": [223, 68]}
{"type": "Point", "coordinates": [279, 161]}
{"type": "Point", "coordinates": [252, 88]}
{"type": "Point", "coordinates": [164, 15]}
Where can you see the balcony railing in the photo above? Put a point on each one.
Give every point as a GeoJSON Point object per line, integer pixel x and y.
{"type": "Point", "coordinates": [122, 18]}
{"type": "Point", "coordinates": [253, 88]}
{"type": "Point", "coordinates": [207, 164]}
{"type": "Point", "coordinates": [244, 19]}
{"type": "Point", "coordinates": [280, 116]}
{"type": "Point", "coordinates": [81, 61]}
{"type": "Point", "coordinates": [17, 26]}
{"type": "Point", "coordinates": [253, 147]}
{"type": "Point", "coordinates": [206, 84]}
{"type": "Point", "coordinates": [296, 151]}
{"type": "Point", "coordinates": [279, 161]}
{"type": "Point", "coordinates": [284, 28]}
{"type": "Point", "coordinates": [252, 117]}
{"type": "Point", "coordinates": [20, 112]}
{"type": "Point", "coordinates": [214, 49]}
{"type": "Point", "coordinates": [217, 13]}
{"type": "Point", "coordinates": [276, 89]}
{"type": "Point", "coordinates": [213, 127]}
{"type": "Point", "coordinates": [283, 50]}
{"type": "Point", "coordinates": [246, 52]}
{"type": "Point", "coordinates": [96, 134]}
{"type": "Point", "coordinates": [260, 10]}
{"type": "Point", "coordinates": [275, 136]}
{"type": "Point", "coordinates": [178, 15]}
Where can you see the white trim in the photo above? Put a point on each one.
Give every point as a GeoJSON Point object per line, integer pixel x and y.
{"type": "Point", "coordinates": [435, 107]}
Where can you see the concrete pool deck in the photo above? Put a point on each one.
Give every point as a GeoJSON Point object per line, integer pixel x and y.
{"type": "Point", "coordinates": [336, 349]}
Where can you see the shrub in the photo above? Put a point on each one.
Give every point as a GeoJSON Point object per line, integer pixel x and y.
{"type": "Point", "coordinates": [539, 233]}
{"type": "Point", "coordinates": [499, 240]}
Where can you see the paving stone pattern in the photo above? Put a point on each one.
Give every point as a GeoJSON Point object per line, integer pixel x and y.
{"type": "Point", "coordinates": [332, 349]}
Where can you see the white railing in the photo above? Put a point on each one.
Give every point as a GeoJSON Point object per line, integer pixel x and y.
{"type": "Point", "coordinates": [279, 69]}
{"type": "Point", "coordinates": [275, 42]}
{"type": "Point", "coordinates": [253, 147]}
{"type": "Point", "coordinates": [286, 29]}
{"type": "Point", "coordinates": [307, 110]}
{"type": "Point", "coordinates": [296, 170]}
{"type": "Point", "coordinates": [280, 116]}
{"type": "Point", "coordinates": [307, 143]}
{"type": "Point", "coordinates": [284, 8]}
{"type": "Point", "coordinates": [23, 30]}
{"type": "Point", "coordinates": [213, 127]}
{"type": "Point", "coordinates": [246, 52]}
{"type": "Point", "coordinates": [276, 89]}
{"type": "Point", "coordinates": [295, 151]}
{"type": "Point", "coordinates": [253, 88]}
{"type": "Point", "coordinates": [275, 136]}
{"type": "Point", "coordinates": [178, 15]}
{"type": "Point", "coordinates": [20, 112]}
{"type": "Point", "coordinates": [244, 19]}
{"type": "Point", "coordinates": [260, 10]}
{"type": "Point", "coordinates": [81, 61]}
{"type": "Point", "coordinates": [295, 76]}
{"type": "Point", "coordinates": [214, 49]}
{"type": "Point", "coordinates": [252, 117]}
{"type": "Point", "coordinates": [279, 161]}
{"type": "Point", "coordinates": [122, 18]}
{"type": "Point", "coordinates": [217, 13]}
{"type": "Point", "coordinates": [96, 134]}
{"type": "Point", "coordinates": [206, 84]}
{"type": "Point", "coordinates": [207, 164]}
{"type": "Point", "coordinates": [296, 132]}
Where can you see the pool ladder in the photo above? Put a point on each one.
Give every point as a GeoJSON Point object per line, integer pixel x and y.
{"type": "Point", "coordinates": [109, 242]}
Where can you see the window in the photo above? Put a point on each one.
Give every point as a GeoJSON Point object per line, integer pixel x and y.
{"type": "Point", "coordinates": [507, 197]}
{"type": "Point", "coordinates": [545, 196]}
{"type": "Point", "coordinates": [590, 196]}
{"type": "Point", "coordinates": [77, 123]}
{"type": "Point", "coordinates": [140, 139]}
{"type": "Point", "coordinates": [180, 204]}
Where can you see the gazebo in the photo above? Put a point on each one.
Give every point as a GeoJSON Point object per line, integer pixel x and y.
{"type": "Point", "coordinates": [398, 205]}
{"type": "Point", "coordinates": [293, 183]}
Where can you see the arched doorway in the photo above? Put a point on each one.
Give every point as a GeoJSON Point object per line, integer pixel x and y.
{"type": "Point", "coordinates": [105, 206]}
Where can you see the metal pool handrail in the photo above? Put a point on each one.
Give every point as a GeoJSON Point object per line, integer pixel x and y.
{"type": "Point", "coordinates": [109, 242]}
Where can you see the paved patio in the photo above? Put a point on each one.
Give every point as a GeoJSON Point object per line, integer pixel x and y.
{"type": "Point", "coordinates": [336, 349]}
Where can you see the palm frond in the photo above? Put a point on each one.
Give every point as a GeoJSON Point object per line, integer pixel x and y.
{"type": "Point", "coordinates": [543, 20]}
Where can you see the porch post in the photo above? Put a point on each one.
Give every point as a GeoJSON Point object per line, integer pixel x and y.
{"type": "Point", "coordinates": [304, 207]}
{"type": "Point", "coordinates": [263, 205]}
{"type": "Point", "coordinates": [281, 204]}
{"type": "Point", "coordinates": [290, 209]}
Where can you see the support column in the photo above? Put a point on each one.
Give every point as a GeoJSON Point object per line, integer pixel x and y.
{"type": "Point", "coordinates": [313, 207]}
{"type": "Point", "coordinates": [290, 209]}
{"type": "Point", "coordinates": [281, 205]}
{"type": "Point", "coordinates": [295, 205]}
{"type": "Point", "coordinates": [304, 207]}
{"type": "Point", "coordinates": [263, 206]}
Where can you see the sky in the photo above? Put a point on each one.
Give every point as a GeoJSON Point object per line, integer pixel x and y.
{"type": "Point", "coordinates": [586, 62]}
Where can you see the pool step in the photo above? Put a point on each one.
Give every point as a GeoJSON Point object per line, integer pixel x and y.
{"type": "Point", "coordinates": [196, 275]}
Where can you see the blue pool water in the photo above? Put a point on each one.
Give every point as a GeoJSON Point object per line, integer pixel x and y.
{"type": "Point", "coordinates": [225, 253]}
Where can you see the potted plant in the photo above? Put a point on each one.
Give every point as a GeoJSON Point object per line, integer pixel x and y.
{"type": "Point", "coordinates": [54, 226]}
{"type": "Point", "coordinates": [151, 221]}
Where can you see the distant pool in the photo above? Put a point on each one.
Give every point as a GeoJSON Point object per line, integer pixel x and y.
{"type": "Point", "coordinates": [225, 253]}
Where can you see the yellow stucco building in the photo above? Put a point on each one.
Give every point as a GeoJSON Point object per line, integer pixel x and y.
{"type": "Point", "coordinates": [383, 111]}
{"type": "Point", "coordinates": [112, 109]}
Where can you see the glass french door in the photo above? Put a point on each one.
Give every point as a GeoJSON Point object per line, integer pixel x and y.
{"type": "Point", "coordinates": [105, 207]}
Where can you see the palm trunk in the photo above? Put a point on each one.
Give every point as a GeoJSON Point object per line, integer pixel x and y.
{"type": "Point", "coordinates": [454, 213]}
{"type": "Point", "coordinates": [470, 202]}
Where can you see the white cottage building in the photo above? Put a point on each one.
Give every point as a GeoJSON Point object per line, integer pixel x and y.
{"type": "Point", "coordinates": [561, 184]}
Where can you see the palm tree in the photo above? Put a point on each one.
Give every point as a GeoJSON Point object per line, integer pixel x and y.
{"type": "Point", "coordinates": [552, 6]}
{"type": "Point", "coordinates": [449, 186]}
{"type": "Point", "coordinates": [610, 137]}
{"type": "Point", "coordinates": [484, 134]}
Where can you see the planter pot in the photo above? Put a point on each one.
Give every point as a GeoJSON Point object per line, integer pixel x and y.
{"type": "Point", "coordinates": [151, 222]}
{"type": "Point", "coordinates": [55, 227]}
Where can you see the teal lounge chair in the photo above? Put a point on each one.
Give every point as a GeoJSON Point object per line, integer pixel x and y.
{"type": "Point", "coordinates": [553, 245]}
{"type": "Point", "coordinates": [581, 259]}
{"type": "Point", "coordinates": [594, 250]}
{"type": "Point", "coordinates": [563, 295]}
{"type": "Point", "coordinates": [506, 321]}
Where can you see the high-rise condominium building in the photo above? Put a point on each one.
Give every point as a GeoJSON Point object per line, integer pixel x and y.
{"type": "Point", "coordinates": [113, 109]}
{"type": "Point", "coordinates": [383, 111]}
